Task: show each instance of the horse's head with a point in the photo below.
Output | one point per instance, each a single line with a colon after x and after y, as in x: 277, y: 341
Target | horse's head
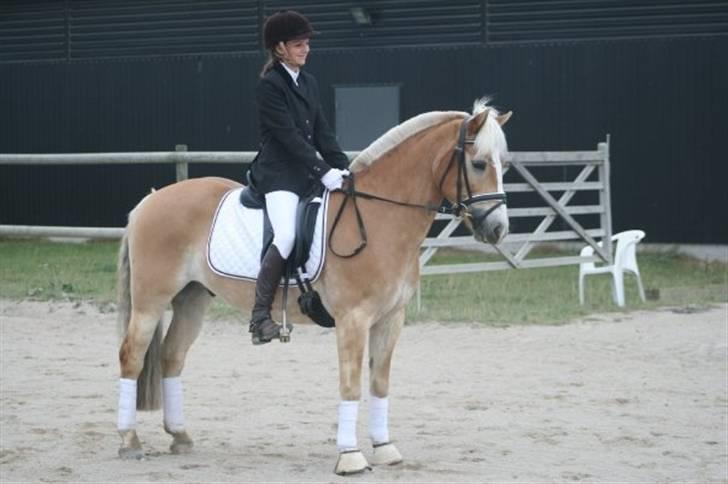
x: 473, y: 180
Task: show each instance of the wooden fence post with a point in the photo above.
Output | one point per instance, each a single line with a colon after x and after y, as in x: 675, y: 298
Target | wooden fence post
x: 182, y: 167
x: 605, y: 198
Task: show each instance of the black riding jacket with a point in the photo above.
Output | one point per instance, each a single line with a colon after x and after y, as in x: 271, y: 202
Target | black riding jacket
x: 292, y: 128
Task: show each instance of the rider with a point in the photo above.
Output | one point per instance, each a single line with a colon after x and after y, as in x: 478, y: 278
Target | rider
x: 292, y: 129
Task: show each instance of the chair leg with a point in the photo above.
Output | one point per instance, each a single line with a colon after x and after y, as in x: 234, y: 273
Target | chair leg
x: 640, y: 287
x: 618, y: 288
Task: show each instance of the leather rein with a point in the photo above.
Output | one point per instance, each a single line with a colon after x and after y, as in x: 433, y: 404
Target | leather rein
x: 456, y: 209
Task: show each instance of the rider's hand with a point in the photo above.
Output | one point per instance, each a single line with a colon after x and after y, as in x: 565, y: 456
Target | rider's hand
x: 334, y: 178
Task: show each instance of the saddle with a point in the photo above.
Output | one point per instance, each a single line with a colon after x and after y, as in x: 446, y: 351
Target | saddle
x: 309, y: 301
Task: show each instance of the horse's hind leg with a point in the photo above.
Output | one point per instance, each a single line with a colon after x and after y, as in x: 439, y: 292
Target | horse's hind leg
x: 383, y: 337
x: 188, y: 310
x: 143, y: 327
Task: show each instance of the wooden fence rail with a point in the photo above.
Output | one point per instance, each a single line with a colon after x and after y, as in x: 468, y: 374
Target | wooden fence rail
x: 595, y: 165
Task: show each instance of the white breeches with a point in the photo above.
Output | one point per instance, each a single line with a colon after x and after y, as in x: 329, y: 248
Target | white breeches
x: 282, y: 206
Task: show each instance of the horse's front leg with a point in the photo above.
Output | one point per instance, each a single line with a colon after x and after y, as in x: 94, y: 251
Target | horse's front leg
x: 351, y: 334
x: 383, y: 337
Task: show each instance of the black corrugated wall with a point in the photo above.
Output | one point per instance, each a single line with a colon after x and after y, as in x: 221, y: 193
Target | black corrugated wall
x: 662, y: 99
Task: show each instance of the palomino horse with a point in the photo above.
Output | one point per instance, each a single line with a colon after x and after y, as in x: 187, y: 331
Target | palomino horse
x: 431, y: 157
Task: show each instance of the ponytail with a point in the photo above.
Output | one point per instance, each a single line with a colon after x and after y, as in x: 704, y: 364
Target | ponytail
x: 272, y: 59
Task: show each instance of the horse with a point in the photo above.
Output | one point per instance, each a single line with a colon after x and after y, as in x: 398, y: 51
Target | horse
x: 402, y: 180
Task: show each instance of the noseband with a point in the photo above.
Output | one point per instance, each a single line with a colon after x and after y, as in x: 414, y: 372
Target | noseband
x: 459, y: 208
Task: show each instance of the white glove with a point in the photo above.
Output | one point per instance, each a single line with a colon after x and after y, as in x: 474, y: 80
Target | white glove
x: 334, y: 178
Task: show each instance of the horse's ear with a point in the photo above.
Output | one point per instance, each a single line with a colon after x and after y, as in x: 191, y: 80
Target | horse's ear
x: 476, y: 122
x: 503, y: 118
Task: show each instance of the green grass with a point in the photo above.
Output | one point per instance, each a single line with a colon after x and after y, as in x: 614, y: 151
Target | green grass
x: 48, y: 270
x: 550, y: 295
x: 87, y: 271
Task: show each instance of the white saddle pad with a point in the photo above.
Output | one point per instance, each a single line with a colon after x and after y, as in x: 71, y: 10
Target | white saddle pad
x: 236, y: 239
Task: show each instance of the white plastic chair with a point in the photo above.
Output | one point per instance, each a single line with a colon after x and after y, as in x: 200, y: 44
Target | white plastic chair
x: 625, y: 260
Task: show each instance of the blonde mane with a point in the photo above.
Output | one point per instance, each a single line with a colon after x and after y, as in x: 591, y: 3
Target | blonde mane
x: 395, y: 136
x: 400, y: 133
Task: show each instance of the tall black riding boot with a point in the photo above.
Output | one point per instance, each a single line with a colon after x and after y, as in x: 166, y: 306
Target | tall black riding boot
x: 262, y: 326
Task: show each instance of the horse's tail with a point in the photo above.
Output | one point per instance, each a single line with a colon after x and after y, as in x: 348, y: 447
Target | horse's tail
x: 123, y: 287
x: 149, y: 383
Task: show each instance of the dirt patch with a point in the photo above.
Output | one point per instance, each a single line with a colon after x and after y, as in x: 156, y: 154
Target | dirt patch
x: 642, y: 398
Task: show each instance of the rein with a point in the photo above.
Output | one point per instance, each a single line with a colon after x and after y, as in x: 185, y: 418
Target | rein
x: 456, y: 209
x: 351, y: 193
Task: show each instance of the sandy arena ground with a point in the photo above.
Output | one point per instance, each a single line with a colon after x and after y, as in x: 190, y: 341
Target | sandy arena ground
x: 638, y: 397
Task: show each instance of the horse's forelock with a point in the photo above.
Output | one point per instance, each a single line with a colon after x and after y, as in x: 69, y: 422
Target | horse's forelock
x: 481, y: 104
x: 490, y: 138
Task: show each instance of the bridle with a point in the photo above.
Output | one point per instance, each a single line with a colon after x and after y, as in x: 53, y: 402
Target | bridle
x: 460, y: 207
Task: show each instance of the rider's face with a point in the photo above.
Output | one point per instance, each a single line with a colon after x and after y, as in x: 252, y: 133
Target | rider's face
x: 294, y: 52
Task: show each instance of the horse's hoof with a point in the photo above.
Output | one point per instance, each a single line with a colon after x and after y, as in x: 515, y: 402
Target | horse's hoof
x: 129, y: 453
x: 386, y: 455
x: 181, y: 447
x: 182, y: 444
x: 131, y: 447
x: 351, y: 462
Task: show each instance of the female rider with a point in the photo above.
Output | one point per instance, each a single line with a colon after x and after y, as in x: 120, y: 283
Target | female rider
x: 292, y: 129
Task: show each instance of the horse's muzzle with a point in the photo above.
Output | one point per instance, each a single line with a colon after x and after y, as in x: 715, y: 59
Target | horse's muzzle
x: 489, y: 223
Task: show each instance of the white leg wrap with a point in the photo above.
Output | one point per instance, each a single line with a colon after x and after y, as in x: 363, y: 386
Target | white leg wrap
x: 127, y: 404
x: 346, y: 434
x: 174, y: 419
x: 378, y: 419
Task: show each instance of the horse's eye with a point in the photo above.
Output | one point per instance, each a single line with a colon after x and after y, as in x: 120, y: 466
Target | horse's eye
x: 479, y: 164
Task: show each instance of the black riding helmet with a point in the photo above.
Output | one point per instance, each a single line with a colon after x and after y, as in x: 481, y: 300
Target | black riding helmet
x: 284, y: 26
